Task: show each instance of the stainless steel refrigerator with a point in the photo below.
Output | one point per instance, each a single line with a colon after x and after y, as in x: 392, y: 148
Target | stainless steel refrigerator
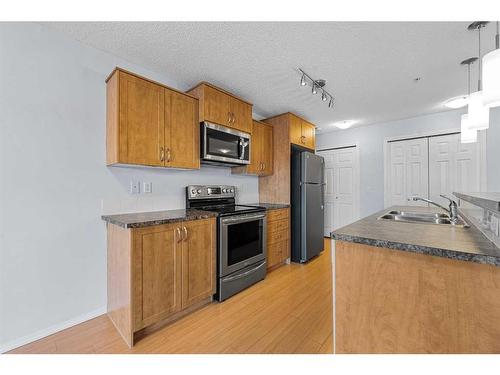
x: 307, y: 198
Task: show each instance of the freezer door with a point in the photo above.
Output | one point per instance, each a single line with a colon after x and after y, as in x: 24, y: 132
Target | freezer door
x: 312, y: 168
x: 312, y: 220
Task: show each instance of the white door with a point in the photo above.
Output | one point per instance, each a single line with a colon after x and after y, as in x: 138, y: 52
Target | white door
x: 453, y: 166
x: 408, y: 176
x: 341, y: 191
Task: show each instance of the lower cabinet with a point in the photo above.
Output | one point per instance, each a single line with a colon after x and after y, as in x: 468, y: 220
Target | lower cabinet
x: 278, y: 237
x: 159, y: 273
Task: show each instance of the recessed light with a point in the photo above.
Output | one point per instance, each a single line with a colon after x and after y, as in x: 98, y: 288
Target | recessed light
x: 344, y: 124
x: 457, y: 102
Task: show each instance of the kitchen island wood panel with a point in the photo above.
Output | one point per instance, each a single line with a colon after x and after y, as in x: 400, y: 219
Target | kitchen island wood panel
x: 389, y: 301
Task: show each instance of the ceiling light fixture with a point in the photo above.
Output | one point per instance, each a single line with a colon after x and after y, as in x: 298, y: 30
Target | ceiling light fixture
x: 303, y: 80
x: 479, y: 114
x: 317, y: 84
x: 344, y: 124
x: 467, y: 135
x: 491, y: 75
x: 457, y: 102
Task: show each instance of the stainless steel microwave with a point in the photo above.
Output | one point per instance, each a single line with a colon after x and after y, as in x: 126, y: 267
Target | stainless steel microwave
x: 221, y: 145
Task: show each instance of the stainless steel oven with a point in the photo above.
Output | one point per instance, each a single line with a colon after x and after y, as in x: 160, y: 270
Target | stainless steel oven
x: 221, y: 145
x: 242, y: 241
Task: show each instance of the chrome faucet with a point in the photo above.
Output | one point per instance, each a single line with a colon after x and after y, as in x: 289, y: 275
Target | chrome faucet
x: 452, y: 210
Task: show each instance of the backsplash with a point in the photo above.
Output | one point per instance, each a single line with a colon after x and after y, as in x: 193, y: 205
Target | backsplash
x: 168, y: 187
x: 488, y: 222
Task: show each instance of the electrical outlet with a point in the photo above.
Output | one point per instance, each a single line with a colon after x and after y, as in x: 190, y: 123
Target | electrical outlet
x: 147, y: 187
x: 135, y: 187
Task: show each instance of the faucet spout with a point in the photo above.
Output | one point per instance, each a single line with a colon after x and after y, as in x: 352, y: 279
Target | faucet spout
x: 452, y: 210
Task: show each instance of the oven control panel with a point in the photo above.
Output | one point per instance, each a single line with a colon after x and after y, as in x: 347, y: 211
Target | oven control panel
x: 210, y: 191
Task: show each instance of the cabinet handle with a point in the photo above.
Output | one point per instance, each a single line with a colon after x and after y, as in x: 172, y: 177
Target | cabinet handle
x: 229, y: 118
x: 234, y: 118
x: 168, y: 155
x: 302, y: 139
x: 162, y: 154
x: 185, y: 233
x: 263, y: 166
x: 179, y: 237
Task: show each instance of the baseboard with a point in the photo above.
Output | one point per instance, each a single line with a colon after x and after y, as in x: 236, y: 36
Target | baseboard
x: 52, y: 329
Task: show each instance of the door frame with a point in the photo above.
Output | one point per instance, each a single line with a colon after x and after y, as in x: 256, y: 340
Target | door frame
x: 481, y: 141
x: 357, y: 174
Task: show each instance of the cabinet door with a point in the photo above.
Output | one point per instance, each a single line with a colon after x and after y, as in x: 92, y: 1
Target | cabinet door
x: 141, y: 121
x: 157, y: 254
x: 308, y: 135
x: 295, y: 130
x: 241, y: 115
x: 255, y: 165
x: 267, y: 150
x: 182, y: 135
x: 198, y: 261
x: 216, y: 106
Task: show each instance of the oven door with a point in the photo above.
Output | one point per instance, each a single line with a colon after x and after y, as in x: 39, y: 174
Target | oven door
x: 242, y: 241
x: 224, y: 145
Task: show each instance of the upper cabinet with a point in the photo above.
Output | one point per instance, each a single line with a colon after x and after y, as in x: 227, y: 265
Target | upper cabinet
x: 150, y: 124
x: 302, y: 132
x: 223, y: 108
x: 261, y: 151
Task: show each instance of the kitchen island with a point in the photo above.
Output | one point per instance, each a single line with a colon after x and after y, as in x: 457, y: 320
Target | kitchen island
x: 415, y: 288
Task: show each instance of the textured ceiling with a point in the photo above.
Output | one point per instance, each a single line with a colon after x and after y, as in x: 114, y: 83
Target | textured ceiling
x: 369, y: 66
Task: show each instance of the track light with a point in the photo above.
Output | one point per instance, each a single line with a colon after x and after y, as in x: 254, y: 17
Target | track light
x: 303, y: 80
x: 316, y: 84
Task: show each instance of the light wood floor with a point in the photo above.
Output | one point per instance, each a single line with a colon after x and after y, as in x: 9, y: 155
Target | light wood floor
x: 289, y: 312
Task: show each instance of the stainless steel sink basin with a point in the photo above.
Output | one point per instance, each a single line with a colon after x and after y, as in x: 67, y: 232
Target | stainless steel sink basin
x: 422, y: 218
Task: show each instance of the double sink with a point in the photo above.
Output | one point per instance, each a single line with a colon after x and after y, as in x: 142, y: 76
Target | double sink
x: 422, y: 218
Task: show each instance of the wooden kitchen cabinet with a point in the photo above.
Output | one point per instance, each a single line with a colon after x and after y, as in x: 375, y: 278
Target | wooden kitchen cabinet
x: 221, y: 107
x: 150, y: 124
x: 160, y: 273
x: 198, y: 262
x: 261, y: 151
x: 302, y: 132
x: 278, y: 237
x: 288, y: 129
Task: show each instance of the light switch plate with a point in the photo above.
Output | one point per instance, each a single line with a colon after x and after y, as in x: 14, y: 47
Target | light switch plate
x: 135, y: 187
x: 147, y: 187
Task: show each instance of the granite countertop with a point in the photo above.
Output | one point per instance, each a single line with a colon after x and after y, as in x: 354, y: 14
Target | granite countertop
x: 146, y: 219
x: 467, y: 244
x: 489, y: 201
x: 269, y: 206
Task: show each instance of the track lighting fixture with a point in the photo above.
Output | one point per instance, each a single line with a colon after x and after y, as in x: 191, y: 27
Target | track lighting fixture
x: 303, y: 80
x: 317, y: 84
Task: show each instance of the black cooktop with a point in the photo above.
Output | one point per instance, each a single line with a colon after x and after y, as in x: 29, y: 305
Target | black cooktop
x: 225, y: 210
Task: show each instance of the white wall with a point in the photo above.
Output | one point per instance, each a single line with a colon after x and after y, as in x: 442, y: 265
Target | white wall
x: 370, y: 140
x: 54, y: 184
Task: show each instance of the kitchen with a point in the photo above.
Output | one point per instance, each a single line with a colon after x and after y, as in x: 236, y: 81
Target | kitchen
x: 200, y: 215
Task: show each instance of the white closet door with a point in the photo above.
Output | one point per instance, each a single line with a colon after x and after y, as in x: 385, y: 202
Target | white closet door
x: 417, y: 171
x: 341, y: 188
x: 408, y: 175
x: 453, y: 166
x: 344, y: 186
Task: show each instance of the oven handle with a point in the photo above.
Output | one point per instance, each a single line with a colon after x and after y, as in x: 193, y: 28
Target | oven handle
x: 243, y: 218
x: 236, y: 277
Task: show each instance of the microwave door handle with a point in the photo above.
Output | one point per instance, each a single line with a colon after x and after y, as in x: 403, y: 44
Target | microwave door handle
x: 243, y: 145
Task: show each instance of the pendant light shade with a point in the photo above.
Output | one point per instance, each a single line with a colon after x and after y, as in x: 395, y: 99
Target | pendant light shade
x: 491, y: 79
x: 467, y: 135
x: 479, y: 115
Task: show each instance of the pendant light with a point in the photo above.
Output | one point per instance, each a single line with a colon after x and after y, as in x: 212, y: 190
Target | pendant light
x: 491, y: 75
x: 467, y: 135
x: 479, y: 115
